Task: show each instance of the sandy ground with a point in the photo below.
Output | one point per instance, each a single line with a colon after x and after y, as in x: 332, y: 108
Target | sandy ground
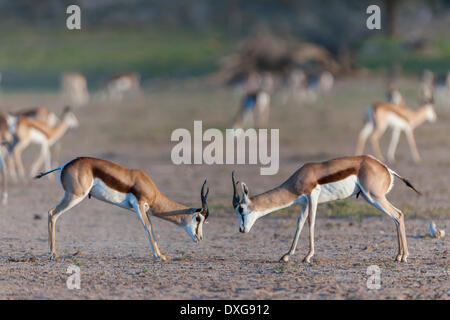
x: 110, y: 247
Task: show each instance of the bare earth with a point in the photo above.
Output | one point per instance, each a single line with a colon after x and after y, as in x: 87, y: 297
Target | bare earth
x: 110, y: 246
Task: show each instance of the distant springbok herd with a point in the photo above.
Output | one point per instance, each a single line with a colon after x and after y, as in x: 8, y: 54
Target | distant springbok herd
x: 310, y: 185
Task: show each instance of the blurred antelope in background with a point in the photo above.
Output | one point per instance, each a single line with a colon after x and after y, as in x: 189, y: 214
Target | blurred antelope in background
x: 5, y: 140
x: 29, y: 130
x: 442, y: 90
x: 41, y: 114
x: 119, y: 85
x: 380, y: 116
x: 321, y: 182
x: 426, y: 88
x: 255, y: 107
x: 308, y: 88
x: 75, y: 89
x: 394, y: 96
x: 130, y: 189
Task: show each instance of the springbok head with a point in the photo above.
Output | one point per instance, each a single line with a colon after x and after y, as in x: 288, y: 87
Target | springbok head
x: 194, y: 227
x: 243, y: 207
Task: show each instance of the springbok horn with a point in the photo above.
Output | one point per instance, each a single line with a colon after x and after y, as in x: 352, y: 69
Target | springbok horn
x: 203, y: 196
x: 236, y: 198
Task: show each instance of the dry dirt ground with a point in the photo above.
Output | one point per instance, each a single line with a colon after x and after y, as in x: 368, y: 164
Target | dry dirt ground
x: 110, y: 247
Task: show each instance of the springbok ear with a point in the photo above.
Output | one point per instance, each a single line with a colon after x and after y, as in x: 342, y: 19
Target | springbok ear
x: 245, y: 191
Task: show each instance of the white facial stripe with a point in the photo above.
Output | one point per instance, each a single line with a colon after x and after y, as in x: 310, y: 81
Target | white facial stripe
x: 195, y: 229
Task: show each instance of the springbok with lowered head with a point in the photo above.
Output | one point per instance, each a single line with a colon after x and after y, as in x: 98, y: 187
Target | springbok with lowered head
x: 400, y: 118
x: 321, y: 182
x: 130, y: 189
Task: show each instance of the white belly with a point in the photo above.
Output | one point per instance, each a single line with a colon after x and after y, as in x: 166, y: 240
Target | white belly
x: 396, y: 122
x: 37, y: 136
x: 102, y: 192
x: 338, y: 190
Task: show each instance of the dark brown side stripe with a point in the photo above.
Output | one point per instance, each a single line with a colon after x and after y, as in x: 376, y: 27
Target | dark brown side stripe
x: 111, y: 181
x: 340, y: 175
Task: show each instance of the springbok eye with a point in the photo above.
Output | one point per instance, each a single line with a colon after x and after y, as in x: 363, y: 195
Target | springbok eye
x: 240, y: 209
x: 198, y: 219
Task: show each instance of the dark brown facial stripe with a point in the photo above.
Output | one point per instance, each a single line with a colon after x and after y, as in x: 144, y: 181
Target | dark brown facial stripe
x: 340, y: 175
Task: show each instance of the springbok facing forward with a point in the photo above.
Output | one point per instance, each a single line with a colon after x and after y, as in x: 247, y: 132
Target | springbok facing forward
x: 74, y: 89
x: 126, y: 188
x: 400, y: 118
x: 316, y: 183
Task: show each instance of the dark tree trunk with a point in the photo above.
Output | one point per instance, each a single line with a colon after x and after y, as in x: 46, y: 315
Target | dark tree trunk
x: 391, y: 16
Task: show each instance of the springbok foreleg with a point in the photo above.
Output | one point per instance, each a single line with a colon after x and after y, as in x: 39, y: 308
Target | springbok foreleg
x: 300, y: 223
x: 140, y: 209
x: 412, y: 145
x: 313, y: 201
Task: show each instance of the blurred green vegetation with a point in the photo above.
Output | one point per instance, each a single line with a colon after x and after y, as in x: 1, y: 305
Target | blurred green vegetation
x: 384, y: 53
x: 36, y: 58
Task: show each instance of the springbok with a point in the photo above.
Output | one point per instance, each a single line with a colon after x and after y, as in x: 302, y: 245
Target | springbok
x: 321, y: 182
x: 254, y: 110
x: 400, y: 118
x: 426, y: 87
x: 30, y: 130
x: 5, y: 139
x: 75, y: 89
x: 308, y: 88
x: 126, y: 188
x: 116, y: 87
x: 41, y: 114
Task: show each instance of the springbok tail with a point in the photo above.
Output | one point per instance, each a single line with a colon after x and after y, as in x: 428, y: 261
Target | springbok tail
x: 405, y: 181
x: 40, y: 175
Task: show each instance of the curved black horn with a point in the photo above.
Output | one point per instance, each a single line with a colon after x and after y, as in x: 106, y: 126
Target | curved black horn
x: 203, y: 196
x: 236, y: 198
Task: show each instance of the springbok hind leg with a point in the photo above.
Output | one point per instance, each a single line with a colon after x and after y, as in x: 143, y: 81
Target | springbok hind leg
x: 382, y: 204
x: 68, y: 201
